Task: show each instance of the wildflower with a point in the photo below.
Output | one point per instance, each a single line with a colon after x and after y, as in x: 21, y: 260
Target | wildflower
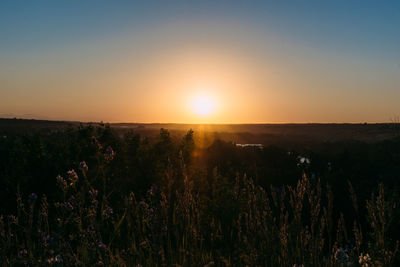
x: 22, y: 253
x: 109, y: 154
x: 68, y: 205
x: 83, y: 166
x: 93, y: 192
x: 364, y: 260
x: 54, y: 260
x: 72, y: 177
x: 12, y: 219
x: 143, y: 204
x: 58, y: 258
x: 107, y: 212
x: 341, y: 255
x: 101, y: 245
x: 61, y: 182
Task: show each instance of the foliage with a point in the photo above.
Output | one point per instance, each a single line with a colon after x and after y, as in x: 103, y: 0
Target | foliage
x: 165, y: 202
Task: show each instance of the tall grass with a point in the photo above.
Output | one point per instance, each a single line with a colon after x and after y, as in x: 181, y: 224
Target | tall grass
x: 176, y: 225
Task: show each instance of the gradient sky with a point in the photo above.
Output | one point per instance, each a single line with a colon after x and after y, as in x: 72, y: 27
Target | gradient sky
x: 260, y: 61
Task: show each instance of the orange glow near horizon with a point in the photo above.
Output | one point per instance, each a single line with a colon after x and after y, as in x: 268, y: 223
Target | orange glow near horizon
x: 196, y: 85
x: 173, y: 75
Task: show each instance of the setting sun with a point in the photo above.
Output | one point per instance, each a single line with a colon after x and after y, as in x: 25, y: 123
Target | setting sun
x: 203, y: 105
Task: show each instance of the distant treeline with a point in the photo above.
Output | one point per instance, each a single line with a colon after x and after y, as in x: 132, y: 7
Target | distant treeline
x: 30, y: 160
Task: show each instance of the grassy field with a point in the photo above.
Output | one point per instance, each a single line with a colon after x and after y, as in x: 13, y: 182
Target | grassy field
x: 96, y: 195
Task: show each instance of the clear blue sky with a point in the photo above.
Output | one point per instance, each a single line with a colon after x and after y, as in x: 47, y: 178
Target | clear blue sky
x: 69, y: 59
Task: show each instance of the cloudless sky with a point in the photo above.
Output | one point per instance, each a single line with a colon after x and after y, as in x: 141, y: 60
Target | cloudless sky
x: 144, y: 61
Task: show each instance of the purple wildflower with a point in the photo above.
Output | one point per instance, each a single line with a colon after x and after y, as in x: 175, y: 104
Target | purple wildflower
x: 12, y: 219
x: 101, y: 245
x: 109, y: 154
x: 68, y: 205
x: 83, y: 166
x: 22, y: 253
x: 72, y: 177
x: 143, y: 204
x: 93, y: 192
x: 58, y: 258
x: 107, y: 212
x: 54, y: 260
x: 341, y: 255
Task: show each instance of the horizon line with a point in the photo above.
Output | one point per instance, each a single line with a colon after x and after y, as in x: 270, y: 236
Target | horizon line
x: 193, y: 123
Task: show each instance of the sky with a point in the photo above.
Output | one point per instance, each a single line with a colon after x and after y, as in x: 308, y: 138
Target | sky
x: 200, y: 61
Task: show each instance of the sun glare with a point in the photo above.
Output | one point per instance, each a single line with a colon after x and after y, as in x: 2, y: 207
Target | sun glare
x: 203, y: 105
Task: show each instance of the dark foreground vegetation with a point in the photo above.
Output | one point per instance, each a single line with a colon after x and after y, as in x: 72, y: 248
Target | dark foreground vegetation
x: 90, y: 196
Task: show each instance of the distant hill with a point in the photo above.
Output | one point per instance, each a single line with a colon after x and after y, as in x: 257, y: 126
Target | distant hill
x: 27, y: 116
x: 240, y: 133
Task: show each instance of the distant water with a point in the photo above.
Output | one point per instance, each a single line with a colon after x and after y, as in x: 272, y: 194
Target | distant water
x: 250, y: 145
